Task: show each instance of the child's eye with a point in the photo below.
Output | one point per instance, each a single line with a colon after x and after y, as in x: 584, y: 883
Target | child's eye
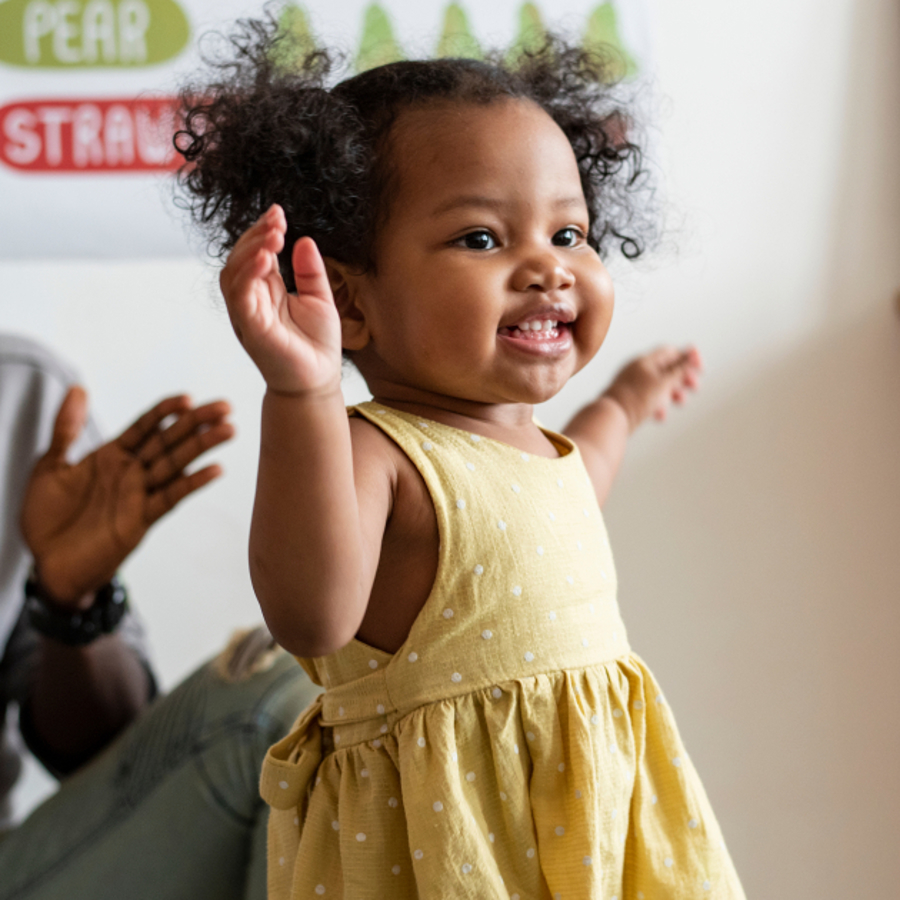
x: 477, y: 240
x: 567, y: 237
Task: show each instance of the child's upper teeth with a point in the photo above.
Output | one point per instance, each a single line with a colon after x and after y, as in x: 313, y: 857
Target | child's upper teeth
x: 538, y: 325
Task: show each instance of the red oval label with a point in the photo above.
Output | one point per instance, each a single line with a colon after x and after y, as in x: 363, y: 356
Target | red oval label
x: 94, y: 137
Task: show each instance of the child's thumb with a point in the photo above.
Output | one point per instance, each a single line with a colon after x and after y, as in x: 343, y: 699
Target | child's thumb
x: 310, y: 276
x: 69, y: 421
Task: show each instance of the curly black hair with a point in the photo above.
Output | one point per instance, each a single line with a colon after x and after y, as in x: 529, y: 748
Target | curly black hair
x: 270, y: 129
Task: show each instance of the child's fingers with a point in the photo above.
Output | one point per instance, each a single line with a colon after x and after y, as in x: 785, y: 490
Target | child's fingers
x: 251, y: 286
x: 267, y: 233
x: 687, y: 367
x: 268, y: 229
x: 253, y: 255
x: 257, y: 262
x: 695, y: 360
x: 666, y: 358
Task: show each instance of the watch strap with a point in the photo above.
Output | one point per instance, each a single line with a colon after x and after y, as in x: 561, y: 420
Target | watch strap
x: 76, y: 627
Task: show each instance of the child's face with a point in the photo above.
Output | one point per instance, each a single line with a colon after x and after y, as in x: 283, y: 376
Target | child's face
x: 486, y: 233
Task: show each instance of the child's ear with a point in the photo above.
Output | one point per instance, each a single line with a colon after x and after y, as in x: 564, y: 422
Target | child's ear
x: 354, y: 327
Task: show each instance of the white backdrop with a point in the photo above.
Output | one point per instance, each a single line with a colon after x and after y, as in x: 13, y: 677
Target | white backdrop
x: 756, y: 534
x: 78, y: 139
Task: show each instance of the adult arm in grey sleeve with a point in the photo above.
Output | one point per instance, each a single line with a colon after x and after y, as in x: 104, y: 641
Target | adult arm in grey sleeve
x: 27, y: 656
x: 80, y: 521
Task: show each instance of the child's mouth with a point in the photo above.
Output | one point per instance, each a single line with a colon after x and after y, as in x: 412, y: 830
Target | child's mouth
x: 545, y: 337
x: 537, y: 330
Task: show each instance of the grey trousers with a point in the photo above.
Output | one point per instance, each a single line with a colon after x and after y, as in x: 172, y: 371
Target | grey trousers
x: 171, y: 811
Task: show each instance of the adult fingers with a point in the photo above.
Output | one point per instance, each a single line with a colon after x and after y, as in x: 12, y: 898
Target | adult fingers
x: 161, y: 501
x: 173, y: 463
x: 70, y: 419
x: 163, y: 442
x: 138, y: 432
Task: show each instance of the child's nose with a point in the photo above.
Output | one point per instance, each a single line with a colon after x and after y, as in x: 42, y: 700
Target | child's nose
x: 543, y: 271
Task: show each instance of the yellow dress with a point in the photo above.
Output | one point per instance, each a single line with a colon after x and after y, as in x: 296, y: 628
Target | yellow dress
x: 514, y: 747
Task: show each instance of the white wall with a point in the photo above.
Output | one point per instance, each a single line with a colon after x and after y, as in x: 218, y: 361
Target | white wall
x: 757, y: 533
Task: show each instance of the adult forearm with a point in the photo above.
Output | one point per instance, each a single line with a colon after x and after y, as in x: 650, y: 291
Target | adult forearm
x: 84, y: 696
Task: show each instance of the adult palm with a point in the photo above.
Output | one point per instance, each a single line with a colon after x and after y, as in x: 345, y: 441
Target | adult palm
x: 81, y: 520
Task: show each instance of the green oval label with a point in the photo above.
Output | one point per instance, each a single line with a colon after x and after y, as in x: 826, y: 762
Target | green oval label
x: 66, y: 34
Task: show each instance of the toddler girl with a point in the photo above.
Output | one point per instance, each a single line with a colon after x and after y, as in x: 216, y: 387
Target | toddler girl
x: 437, y: 560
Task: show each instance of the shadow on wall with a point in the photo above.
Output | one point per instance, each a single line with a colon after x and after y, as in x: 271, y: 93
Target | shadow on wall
x: 773, y: 530
x: 759, y: 560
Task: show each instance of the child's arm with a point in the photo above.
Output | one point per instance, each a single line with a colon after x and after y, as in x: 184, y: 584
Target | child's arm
x: 644, y: 388
x: 314, y: 542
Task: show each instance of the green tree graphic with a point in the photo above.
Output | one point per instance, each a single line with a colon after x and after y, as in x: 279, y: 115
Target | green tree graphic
x: 602, y: 33
x: 531, y: 31
x: 378, y: 45
x: 298, y: 39
x: 456, y: 37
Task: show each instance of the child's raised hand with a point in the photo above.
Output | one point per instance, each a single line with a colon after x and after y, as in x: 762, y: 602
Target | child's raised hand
x: 294, y: 339
x: 649, y: 384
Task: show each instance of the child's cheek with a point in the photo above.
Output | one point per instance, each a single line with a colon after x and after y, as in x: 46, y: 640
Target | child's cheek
x: 602, y: 305
x: 591, y: 328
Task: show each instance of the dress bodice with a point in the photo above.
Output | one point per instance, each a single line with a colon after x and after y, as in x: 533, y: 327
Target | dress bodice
x: 525, y: 581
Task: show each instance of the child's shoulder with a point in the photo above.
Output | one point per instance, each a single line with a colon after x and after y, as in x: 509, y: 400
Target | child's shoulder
x: 375, y: 454
x: 368, y: 439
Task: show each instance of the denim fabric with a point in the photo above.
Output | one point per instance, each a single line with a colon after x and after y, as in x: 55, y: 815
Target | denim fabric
x: 172, y: 808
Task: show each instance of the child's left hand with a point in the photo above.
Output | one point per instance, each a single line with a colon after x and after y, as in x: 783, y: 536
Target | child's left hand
x: 649, y: 384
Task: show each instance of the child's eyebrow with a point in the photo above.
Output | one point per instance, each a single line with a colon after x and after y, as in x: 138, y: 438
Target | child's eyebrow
x: 481, y: 201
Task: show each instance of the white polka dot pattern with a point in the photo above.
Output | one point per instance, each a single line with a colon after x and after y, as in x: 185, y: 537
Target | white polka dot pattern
x: 519, y: 647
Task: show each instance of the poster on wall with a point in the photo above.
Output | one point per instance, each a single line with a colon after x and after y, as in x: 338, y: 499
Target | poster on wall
x: 87, y: 88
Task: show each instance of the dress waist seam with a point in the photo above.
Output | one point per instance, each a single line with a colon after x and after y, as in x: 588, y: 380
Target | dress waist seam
x: 347, y: 729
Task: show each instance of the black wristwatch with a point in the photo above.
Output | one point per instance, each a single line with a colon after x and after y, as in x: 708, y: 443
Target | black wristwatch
x: 80, y: 626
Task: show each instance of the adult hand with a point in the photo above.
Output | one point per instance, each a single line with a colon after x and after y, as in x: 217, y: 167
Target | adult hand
x: 81, y: 521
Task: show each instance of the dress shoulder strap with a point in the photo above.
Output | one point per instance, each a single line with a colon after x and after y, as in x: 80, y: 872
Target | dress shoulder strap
x: 409, y: 432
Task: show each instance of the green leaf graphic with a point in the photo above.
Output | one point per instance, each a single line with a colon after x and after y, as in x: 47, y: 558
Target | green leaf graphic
x: 298, y: 42
x: 77, y: 34
x: 378, y: 46
x: 602, y: 34
x: 457, y: 39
